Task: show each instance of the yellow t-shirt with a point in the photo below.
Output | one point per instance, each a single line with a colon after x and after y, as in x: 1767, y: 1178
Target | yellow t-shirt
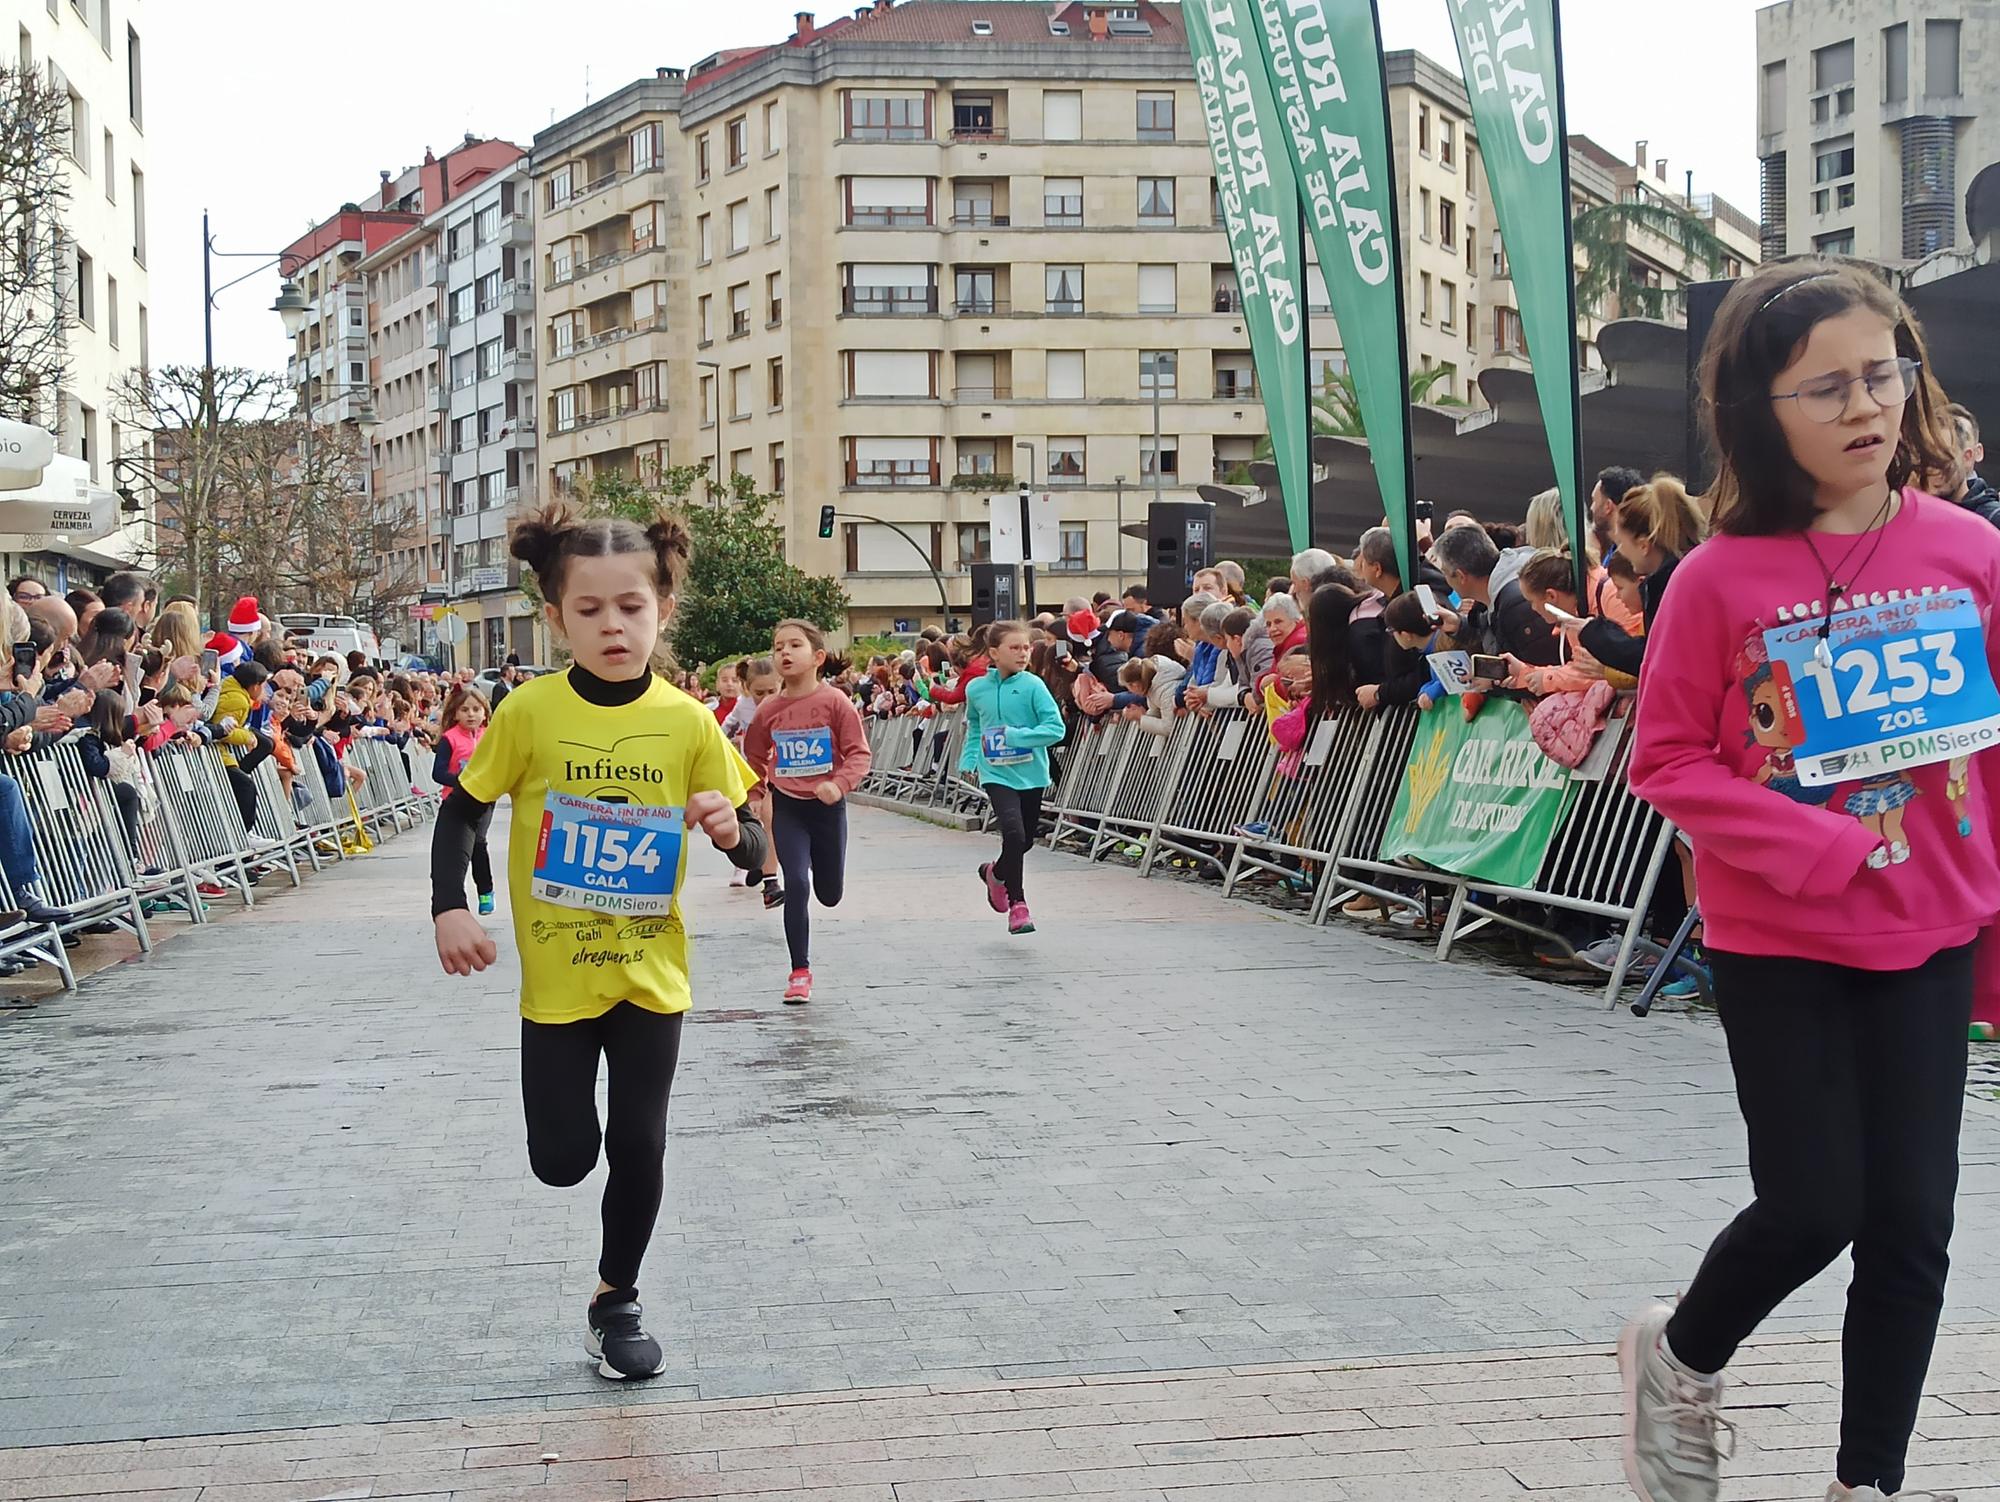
x: 598, y: 849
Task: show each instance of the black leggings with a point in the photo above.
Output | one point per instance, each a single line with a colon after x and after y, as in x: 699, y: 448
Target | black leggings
x: 1018, y: 811
x: 1852, y: 1085
x: 811, y: 837
x: 559, y: 1095
x: 242, y: 784
x: 482, y: 859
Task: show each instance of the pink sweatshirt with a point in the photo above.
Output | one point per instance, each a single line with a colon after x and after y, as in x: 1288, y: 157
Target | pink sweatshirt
x: 1782, y: 868
x: 825, y: 709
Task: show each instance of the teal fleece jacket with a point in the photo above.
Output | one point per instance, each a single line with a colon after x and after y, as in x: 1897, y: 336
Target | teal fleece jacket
x: 1024, y: 705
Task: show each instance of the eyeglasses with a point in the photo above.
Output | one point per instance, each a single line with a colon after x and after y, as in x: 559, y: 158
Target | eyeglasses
x: 1826, y: 398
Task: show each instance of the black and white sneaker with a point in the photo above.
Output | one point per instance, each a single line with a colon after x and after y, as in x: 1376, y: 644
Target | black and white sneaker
x: 623, y: 1349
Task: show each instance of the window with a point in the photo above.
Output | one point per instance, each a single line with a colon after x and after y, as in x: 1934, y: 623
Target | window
x: 701, y: 157
x: 138, y: 216
x: 1065, y: 375
x: 1840, y: 243
x: 1447, y: 142
x: 1062, y: 201
x: 1156, y: 200
x: 888, y: 117
x: 777, y: 469
x: 1167, y: 460
x: 1424, y: 129
x: 708, y: 401
x: 774, y: 129
x: 1471, y: 325
x: 736, y: 135
x: 1832, y: 66
x: 145, y: 341
x: 973, y: 290
x: 774, y: 213
x: 1424, y: 297
x: 86, y: 433
x: 458, y: 241
x: 1448, y: 224
x: 1423, y: 213
x: 134, y: 79
x: 739, y: 310
x: 739, y: 392
x: 1156, y: 117
x: 461, y: 493
x: 110, y: 177
x: 975, y: 539
x: 1075, y: 544
x: 461, y: 306
x: 1157, y: 289
x: 888, y: 202
x: 1471, y: 251
x: 739, y: 226
x: 739, y: 462
x: 489, y: 291
x: 486, y: 228
x: 565, y: 409
x: 465, y: 364
x: 774, y: 299
x: 972, y: 117
x: 1508, y: 336
x: 560, y: 187
x: 704, y: 240
x: 647, y: 148
x: 111, y: 310
x: 1448, y: 291
x: 79, y: 131
x: 705, y: 317
x: 1940, y: 59
x: 1158, y: 373
x: 1834, y: 159
x: 1065, y: 290
x: 1062, y: 115
x: 1895, y: 63
x: 774, y: 370
x: 489, y: 359
x: 1066, y: 461
x: 84, y: 303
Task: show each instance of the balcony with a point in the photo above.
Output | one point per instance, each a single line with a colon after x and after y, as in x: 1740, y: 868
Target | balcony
x: 518, y: 436
x: 440, y: 271
x: 441, y: 464
x: 888, y: 302
x: 517, y: 297
x: 440, y: 398
x: 518, y: 231
x: 1065, y: 307
x: 997, y: 393
x: 982, y: 307
x: 980, y: 219
x: 1227, y: 300
x: 885, y: 472
x: 609, y: 180
x: 1232, y: 387
x: 978, y: 133
x: 860, y: 217
x: 518, y: 364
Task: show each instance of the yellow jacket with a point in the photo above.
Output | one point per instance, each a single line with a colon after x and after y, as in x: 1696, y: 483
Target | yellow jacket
x: 233, y: 704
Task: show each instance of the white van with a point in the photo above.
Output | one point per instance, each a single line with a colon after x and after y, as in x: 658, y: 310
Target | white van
x: 334, y: 635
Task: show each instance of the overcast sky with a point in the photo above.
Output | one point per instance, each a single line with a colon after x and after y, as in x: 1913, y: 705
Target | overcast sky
x: 271, y: 116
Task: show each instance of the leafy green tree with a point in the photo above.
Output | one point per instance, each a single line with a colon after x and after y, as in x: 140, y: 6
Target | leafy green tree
x: 1610, y: 280
x: 739, y: 585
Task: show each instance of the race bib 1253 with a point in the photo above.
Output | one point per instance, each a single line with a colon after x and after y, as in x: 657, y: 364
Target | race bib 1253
x: 1000, y: 752
x: 608, y: 857
x: 1901, y: 684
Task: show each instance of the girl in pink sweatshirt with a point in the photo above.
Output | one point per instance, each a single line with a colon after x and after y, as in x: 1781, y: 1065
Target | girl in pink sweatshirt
x: 1814, y: 711
x: 807, y: 746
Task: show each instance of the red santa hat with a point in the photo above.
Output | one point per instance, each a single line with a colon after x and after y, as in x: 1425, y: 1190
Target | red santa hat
x: 229, y: 650
x: 1082, y: 624
x: 245, y: 619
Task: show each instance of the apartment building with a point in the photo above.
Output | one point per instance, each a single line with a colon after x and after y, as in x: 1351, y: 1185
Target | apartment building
x: 1873, y: 116
x: 368, y: 353
x: 934, y: 248
x: 93, y: 50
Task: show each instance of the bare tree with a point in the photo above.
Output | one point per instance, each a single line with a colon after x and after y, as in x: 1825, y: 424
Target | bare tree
x: 34, y: 280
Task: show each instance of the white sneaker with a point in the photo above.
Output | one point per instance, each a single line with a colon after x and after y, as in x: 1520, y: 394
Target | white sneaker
x: 1673, y: 1420
x: 259, y: 843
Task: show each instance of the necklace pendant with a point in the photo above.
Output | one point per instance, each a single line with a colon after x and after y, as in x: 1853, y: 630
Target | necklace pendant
x: 1822, y: 653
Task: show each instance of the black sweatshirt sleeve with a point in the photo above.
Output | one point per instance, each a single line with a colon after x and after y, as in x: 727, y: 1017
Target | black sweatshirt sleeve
x: 452, y: 838
x: 441, y: 772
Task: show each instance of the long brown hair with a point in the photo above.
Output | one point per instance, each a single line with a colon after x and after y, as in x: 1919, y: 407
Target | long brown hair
x: 1759, y: 330
x: 456, y: 700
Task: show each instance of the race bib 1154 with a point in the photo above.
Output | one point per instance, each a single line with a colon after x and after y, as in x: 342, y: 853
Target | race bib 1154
x: 608, y: 857
x: 1899, y: 685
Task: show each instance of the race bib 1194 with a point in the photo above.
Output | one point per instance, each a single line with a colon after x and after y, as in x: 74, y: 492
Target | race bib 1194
x: 804, y: 753
x: 608, y: 857
x: 1901, y: 684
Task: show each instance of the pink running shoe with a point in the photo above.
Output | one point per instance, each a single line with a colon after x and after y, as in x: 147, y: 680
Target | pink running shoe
x: 799, y: 989
x: 996, y: 894
x: 1018, y: 921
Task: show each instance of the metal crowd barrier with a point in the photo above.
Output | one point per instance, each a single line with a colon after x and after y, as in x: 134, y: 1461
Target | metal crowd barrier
x: 1219, y: 794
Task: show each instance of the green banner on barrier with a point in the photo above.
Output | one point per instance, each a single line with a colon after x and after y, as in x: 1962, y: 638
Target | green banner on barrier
x: 1260, y: 211
x: 1511, y: 51
x: 1325, y: 58
x: 1478, y: 799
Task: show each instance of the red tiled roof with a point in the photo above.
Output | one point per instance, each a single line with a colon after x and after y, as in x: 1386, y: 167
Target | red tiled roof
x: 929, y: 22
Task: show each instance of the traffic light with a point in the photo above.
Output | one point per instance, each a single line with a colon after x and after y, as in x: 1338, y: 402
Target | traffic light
x: 826, y: 521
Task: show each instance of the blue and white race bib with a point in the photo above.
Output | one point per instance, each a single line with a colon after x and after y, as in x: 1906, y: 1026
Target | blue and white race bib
x: 608, y: 857
x: 1903, y: 684
x: 804, y: 753
x: 999, y: 751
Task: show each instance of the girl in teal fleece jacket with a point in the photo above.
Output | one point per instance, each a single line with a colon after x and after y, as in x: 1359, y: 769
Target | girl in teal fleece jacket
x: 1011, y: 721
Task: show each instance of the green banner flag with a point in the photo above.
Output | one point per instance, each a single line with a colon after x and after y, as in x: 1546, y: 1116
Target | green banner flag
x: 1325, y: 60
x: 1478, y: 798
x: 1260, y: 211
x: 1511, y: 52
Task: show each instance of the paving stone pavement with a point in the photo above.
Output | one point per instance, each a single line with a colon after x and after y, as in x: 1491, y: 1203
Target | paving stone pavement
x: 275, y: 1178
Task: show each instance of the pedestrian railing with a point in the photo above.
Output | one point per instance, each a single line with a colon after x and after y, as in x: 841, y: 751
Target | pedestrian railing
x: 1218, y: 795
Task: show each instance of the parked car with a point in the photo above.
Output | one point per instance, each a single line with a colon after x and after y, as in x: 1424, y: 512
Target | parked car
x: 490, y: 676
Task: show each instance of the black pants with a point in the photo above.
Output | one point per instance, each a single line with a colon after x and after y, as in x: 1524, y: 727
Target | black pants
x: 1018, y: 812
x: 559, y: 1095
x: 482, y: 859
x: 127, y: 798
x: 1852, y: 1085
x: 811, y: 837
x: 240, y: 782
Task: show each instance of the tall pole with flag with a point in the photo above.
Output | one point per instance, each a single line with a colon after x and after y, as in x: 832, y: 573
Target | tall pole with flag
x: 1511, y: 52
x: 1253, y: 173
x: 1324, y: 58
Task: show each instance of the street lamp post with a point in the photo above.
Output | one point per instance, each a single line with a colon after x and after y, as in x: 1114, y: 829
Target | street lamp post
x: 1118, y: 538
x: 715, y: 475
x: 1027, y: 540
